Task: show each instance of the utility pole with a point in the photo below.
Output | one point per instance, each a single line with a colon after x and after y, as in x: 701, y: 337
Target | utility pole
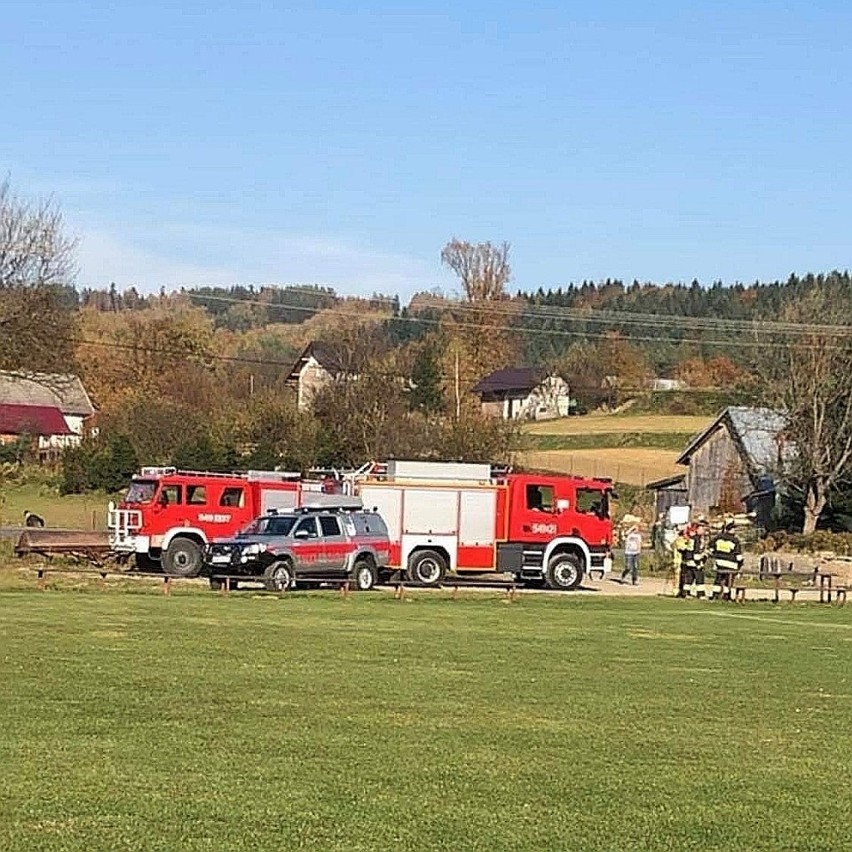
x: 458, y: 388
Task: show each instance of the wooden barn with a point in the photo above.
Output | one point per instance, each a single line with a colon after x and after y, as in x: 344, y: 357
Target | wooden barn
x: 734, y: 463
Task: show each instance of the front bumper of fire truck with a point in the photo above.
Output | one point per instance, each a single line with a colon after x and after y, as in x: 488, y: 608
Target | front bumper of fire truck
x: 124, y: 526
x: 600, y: 561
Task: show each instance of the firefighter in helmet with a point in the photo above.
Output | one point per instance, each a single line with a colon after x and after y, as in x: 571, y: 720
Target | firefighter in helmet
x: 693, y: 554
x: 727, y: 554
x: 680, y: 547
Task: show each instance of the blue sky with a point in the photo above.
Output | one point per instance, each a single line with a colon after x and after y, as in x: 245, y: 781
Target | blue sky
x: 344, y: 144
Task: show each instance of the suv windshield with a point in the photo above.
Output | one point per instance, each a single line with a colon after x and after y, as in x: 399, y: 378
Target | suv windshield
x: 140, y: 491
x: 270, y: 525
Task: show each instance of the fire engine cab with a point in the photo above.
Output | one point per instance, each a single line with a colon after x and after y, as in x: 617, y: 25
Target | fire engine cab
x: 168, y: 516
x: 472, y: 519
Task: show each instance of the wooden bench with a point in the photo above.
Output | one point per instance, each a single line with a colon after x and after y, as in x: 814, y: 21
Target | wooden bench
x: 511, y: 587
x: 838, y: 591
x: 226, y: 583
x: 42, y: 571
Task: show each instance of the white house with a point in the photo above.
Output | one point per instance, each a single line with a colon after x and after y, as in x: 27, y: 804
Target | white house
x: 523, y: 393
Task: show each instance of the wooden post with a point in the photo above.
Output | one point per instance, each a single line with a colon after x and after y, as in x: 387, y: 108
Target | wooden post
x: 512, y: 592
x: 225, y: 588
x: 455, y: 593
x: 41, y: 581
x: 167, y: 585
x: 344, y: 590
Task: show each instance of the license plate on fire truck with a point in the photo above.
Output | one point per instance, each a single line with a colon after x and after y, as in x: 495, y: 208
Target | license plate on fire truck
x: 221, y: 557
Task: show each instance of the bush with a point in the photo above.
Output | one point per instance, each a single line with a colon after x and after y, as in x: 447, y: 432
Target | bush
x: 821, y: 540
x: 105, y: 463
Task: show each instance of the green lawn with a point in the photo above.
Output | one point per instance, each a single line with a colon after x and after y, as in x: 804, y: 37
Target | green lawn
x: 136, y: 721
x: 75, y: 511
x: 607, y: 440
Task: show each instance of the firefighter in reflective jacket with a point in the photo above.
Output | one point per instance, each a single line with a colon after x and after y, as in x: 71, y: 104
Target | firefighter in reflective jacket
x: 680, y: 549
x: 727, y: 554
x: 696, y: 556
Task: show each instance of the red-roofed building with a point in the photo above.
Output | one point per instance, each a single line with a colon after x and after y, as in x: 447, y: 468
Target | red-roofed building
x: 44, y: 424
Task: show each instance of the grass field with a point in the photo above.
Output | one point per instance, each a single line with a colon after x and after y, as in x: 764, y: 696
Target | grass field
x: 135, y: 721
x: 632, y: 465
x: 76, y: 511
x: 590, y: 424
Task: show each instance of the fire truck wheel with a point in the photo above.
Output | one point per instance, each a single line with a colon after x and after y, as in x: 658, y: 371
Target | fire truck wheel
x: 564, y: 572
x: 182, y: 558
x: 278, y: 576
x: 426, y: 568
x: 364, y: 575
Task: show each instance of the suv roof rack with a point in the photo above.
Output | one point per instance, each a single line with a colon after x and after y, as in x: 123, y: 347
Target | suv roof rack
x: 334, y: 503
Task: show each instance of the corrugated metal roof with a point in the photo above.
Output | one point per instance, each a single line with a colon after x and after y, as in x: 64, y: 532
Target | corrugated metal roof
x: 32, y: 420
x: 66, y: 392
x: 757, y: 430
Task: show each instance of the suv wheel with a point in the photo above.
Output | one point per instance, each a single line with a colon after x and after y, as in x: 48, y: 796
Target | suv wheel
x: 364, y: 575
x: 426, y: 568
x: 278, y: 577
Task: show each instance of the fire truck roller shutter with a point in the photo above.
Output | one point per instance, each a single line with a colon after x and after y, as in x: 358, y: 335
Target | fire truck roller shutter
x: 276, y: 499
x: 431, y: 512
x: 388, y: 503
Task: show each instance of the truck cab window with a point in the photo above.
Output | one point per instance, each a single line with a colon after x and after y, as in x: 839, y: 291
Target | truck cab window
x: 330, y: 526
x: 541, y: 497
x: 170, y: 495
x: 196, y: 495
x: 592, y: 502
x: 306, y: 528
x: 234, y: 497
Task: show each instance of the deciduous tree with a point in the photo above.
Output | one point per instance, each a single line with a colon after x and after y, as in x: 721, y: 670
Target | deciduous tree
x: 809, y: 380
x: 36, y: 265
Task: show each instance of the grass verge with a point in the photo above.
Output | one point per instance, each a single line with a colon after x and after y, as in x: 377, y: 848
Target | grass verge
x: 675, y: 441
x: 197, y: 722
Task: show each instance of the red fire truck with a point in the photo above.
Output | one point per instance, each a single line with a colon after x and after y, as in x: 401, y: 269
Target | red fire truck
x: 470, y: 519
x: 169, y: 515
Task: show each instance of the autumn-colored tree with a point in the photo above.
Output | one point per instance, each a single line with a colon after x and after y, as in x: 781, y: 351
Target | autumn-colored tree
x: 718, y: 372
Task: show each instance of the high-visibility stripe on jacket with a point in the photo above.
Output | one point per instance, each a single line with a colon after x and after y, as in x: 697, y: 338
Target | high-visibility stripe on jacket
x: 726, y: 552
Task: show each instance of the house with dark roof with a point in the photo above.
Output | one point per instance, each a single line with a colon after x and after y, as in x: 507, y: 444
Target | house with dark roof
x: 527, y: 393
x: 60, y: 393
x: 732, y: 465
x: 315, y: 368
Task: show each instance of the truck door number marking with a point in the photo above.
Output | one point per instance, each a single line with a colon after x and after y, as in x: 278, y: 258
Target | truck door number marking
x: 544, y: 529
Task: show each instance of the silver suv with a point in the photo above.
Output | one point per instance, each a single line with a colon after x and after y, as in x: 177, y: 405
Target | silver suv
x: 307, y: 544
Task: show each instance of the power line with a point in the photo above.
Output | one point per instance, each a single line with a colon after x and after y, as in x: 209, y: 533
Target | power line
x: 510, y: 309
